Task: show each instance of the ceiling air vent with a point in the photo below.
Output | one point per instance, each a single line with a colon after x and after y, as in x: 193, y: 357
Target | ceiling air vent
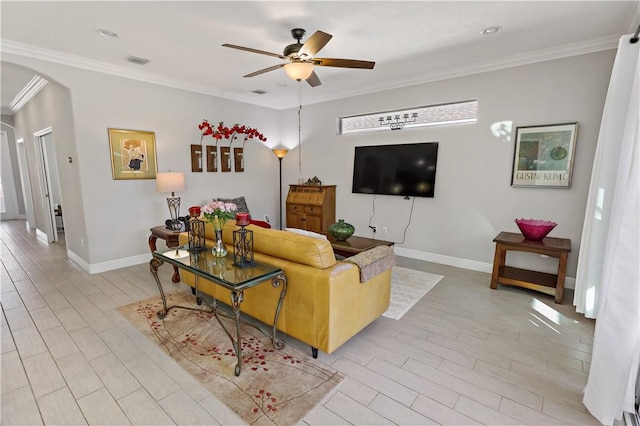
x: 137, y: 60
x: 258, y: 92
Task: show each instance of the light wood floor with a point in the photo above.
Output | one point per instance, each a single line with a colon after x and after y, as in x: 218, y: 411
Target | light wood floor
x: 464, y: 354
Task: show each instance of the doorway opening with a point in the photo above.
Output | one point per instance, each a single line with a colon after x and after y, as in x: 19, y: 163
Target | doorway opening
x: 49, y: 187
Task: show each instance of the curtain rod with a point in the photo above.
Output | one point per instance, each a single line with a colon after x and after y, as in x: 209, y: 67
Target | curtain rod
x: 634, y: 39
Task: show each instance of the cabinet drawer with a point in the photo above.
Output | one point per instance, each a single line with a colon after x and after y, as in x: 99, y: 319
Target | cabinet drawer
x: 312, y: 209
x: 295, y: 208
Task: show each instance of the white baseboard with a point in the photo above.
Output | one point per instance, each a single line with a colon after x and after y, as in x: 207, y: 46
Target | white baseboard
x: 96, y: 268
x: 444, y: 260
x: 77, y: 259
x: 472, y: 265
x: 43, y: 236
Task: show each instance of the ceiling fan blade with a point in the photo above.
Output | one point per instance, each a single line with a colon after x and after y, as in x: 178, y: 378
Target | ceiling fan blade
x: 313, y: 80
x: 262, y: 71
x: 343, y: 63
x: 314, y: 43
x: 249, y: 49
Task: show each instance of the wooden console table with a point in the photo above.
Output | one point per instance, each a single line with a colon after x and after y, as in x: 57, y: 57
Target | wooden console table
x: 552, y: 284
x: 171, y: 240
x: 354, y: 245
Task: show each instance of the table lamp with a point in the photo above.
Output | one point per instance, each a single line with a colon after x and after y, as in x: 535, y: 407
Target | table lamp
x: 171, y: 182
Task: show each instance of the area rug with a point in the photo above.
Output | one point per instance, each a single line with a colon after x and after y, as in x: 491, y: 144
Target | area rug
x: 275, y: 386
x: 407, y: 287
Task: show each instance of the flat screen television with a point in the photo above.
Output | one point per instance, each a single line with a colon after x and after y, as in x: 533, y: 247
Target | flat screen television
x: 404, y: 169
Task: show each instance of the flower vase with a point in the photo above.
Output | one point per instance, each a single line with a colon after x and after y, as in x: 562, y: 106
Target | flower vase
x: 219, y: 250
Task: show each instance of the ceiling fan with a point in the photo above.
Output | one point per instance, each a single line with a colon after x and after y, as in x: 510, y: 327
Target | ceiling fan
x: 300, y: 57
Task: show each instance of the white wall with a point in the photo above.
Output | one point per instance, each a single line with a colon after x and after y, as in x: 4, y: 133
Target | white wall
x: 474, y: 200
x: 473, y: 197
x: 119, y: 213
x: 51, y: 107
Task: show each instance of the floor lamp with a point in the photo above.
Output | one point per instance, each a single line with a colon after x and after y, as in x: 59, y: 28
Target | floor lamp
x: 280, y: 153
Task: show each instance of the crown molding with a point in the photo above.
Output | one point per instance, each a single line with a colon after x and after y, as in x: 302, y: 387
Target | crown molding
x: 543, y: 55
x: 568, y: 50
x: 49, y: 55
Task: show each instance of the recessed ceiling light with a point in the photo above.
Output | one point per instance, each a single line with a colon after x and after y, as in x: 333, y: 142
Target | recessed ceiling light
x: 491, y: 30
x: 107, y: 33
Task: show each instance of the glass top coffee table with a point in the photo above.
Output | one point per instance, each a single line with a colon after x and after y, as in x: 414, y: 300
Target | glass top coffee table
x: 222, y: 272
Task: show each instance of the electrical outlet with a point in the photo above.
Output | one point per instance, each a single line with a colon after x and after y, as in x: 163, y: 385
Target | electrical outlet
x: 384, y: 229
x: 266, y: 218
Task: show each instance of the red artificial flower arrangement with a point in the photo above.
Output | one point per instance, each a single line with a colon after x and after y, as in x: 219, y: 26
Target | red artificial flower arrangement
x: 231, y: 133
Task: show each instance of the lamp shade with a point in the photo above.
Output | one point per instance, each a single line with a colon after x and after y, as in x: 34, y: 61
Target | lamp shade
x: 170, y: 182
x: 280, y: 153
x: 299, y: 70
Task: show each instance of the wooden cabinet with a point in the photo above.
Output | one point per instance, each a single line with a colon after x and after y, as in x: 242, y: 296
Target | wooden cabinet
x: 311, y: 207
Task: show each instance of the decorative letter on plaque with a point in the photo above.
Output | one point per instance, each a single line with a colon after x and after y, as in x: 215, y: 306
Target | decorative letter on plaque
x: 196, y: 158
x: 212, y: 158
x: 238, y: 157
x: 225, y: 158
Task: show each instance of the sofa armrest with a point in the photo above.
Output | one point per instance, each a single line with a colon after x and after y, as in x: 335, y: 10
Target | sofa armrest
x: 374, y: 261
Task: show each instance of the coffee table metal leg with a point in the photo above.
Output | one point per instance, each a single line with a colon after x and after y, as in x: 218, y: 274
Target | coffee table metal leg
x: 236, y: 299
x: 154, y: 264
x: 280, y: 279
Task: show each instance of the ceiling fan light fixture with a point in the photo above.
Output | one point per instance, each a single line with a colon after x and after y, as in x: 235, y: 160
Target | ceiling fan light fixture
x: 299, y: 70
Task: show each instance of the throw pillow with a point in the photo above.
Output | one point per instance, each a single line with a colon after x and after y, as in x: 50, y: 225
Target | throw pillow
x: 240, y: 203
x: 306, y: 233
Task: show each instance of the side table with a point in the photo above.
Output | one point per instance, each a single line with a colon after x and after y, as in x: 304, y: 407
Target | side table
x: 552, y: 284
x: 171, y: 240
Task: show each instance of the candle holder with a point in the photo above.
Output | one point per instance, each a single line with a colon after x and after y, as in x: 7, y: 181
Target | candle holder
x: 243, y: 245
x: 197, y: 240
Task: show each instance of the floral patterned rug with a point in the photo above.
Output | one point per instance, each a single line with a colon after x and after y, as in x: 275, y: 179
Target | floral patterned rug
x: 275, y: 386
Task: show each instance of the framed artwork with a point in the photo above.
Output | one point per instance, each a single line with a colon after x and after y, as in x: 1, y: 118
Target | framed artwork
x: 133, y: 154
x: 543, y: 156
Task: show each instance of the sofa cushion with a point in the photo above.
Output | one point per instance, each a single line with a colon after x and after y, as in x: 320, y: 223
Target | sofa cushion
x: 297, y: 248
x: 240, y: 203
x: 307, y: 233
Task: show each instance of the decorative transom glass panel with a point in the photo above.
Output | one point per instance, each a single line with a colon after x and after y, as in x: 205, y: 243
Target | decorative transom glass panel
x: 431, y: 115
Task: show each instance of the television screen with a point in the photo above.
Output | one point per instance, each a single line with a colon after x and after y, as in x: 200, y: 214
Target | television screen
x: 404, y: 169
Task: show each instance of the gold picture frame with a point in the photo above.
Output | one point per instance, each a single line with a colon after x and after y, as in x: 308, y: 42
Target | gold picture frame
x: 133, y: 154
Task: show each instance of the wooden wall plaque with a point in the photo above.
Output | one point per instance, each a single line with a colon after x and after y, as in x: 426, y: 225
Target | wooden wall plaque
x: 196, y: 158
x: 212, y: 158
x: 238, y: 159
x: 225, y: 158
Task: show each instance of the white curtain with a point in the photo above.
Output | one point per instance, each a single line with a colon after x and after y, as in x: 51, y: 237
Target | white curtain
x: 608, y: 279
x: 603, y: 179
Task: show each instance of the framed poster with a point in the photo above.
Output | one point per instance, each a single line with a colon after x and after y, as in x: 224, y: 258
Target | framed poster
x: 133, y: 154
x: 543, y: 156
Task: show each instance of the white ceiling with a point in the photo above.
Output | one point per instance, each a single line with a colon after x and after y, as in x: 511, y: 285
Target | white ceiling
x: 410, y: 41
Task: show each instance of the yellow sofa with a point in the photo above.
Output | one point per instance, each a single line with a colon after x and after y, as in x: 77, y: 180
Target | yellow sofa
x: 325, y: 305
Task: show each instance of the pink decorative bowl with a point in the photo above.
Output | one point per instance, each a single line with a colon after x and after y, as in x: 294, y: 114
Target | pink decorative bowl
x: 535, y: 230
